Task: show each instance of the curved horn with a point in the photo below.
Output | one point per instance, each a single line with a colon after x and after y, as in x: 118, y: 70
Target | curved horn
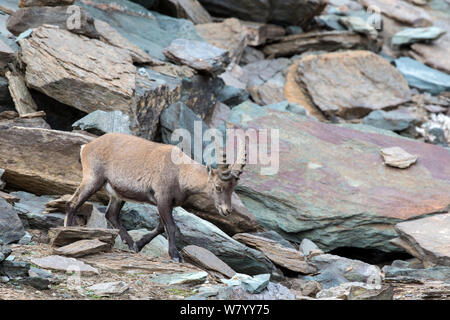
x: 238, y: 167
x: 222, y: 166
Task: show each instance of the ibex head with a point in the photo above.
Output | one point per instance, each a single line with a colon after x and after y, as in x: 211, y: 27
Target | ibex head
x: 224, y: 179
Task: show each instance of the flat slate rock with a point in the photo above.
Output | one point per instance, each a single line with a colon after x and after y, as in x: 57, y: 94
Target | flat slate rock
x: 397, y: 157
x: 207, y: 260
x: 423, y: 77
x: 351, y: 84
x: 60, y: 263
x: 430, y: 238
x: 105, y: 289
x: 66, y: 235
x: 82, y: 248
x: 198, y: 55
x: 280, y: 255
x: 413, y: 35
x: 84, y: 73
x: 181, y: 278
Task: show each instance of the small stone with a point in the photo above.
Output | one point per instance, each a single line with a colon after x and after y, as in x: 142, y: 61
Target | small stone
x: 108, y: 288
x: 181, y: 278
x: 397, y: 157
x: 413, y: 35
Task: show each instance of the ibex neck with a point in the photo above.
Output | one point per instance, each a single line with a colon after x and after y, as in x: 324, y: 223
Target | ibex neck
x: 194, y: 179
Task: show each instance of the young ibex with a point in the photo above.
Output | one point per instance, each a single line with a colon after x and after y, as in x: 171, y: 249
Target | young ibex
x: 135, y: 169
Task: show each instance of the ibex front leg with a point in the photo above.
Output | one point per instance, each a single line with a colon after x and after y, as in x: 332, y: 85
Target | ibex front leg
x: 165, y: 213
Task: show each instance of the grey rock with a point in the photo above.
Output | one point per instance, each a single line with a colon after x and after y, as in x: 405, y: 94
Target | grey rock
x: 422, y: 77
x: 30, y: 209
x: 330, y: 21
x: 206, y: 291
x: 252, y: 285
x: 198, y: 55
x: 60, y: 263
x: 26, y: 239
x: 206, y: 260
x: 413, y: 35
x: 307, y: 246
x: 390, y: 120
x: 181, y: 278
x: 232, y: 96
x: 179, y: 116
x: 335, y: 270
x: 11, y: 228
x: 100, y: 122
x: 39, y: 279
x: 360, y: 25
x: 294, y: 30
x: 14, y: 269
x: 108, y: 288
x: 4, y: 252
x: 273, y: 291
x: 356, y: 291
x: 397, y: 273
x: 219, y: 116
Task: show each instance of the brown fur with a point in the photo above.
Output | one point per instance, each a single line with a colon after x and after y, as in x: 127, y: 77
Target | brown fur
x: 139, y: 170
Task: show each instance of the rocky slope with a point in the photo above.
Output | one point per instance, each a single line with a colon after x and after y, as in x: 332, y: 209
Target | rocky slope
x: 340, y: 83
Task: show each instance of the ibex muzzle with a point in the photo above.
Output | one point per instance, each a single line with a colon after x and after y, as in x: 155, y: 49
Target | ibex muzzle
x: 135, y: 169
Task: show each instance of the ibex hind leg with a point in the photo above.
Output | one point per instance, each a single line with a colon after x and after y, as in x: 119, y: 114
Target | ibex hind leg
x: 112, y: 215
x: 86, y: 189
x: 150, y: 236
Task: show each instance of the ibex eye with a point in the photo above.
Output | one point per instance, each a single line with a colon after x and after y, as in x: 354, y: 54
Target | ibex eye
x: 219, y: 189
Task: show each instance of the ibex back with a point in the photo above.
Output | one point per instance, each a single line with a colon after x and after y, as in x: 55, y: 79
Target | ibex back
x: 138, y: 170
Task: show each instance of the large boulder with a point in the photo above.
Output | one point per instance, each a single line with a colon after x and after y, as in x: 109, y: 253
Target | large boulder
x: 351, y: 84
x: 364, y: 198
x: 41, y: 161
x: 11, y: 228
x: 290, y: 12
x: 428, y: 239
x: 84, y: 73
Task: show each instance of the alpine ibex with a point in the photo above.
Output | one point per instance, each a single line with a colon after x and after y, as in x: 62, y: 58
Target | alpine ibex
x: 135, y: 169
